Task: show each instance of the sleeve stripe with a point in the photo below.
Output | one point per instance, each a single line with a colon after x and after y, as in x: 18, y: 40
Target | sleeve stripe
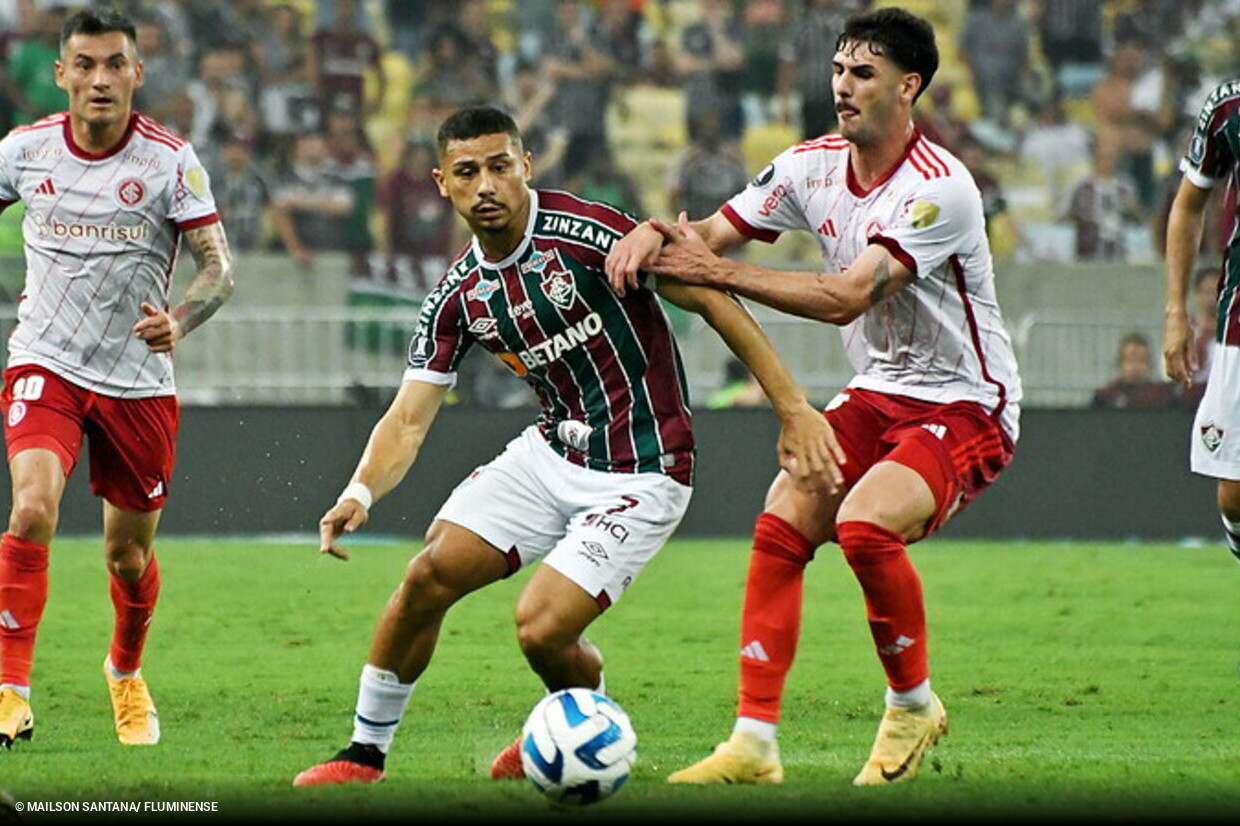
x: 745, y: 228
x: 195, y: 223
x: 897, y: 252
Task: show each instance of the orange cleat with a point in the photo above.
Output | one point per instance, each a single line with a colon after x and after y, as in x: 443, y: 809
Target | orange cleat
x: 507, y: 764
x: 356, y: 764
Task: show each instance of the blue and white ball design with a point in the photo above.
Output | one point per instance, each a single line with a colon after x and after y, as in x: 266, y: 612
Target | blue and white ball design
x: 578, y: 746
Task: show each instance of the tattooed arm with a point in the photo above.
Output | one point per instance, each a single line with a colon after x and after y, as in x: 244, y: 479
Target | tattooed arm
x: 836, y: 298
x: 208, y: 291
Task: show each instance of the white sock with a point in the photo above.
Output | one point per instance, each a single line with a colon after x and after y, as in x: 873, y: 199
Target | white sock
x: 759, y: 728
x: 117, y: 674
x: 602, y: 685
x: 916, y: 697
x: 381, y: 701
x: 23, y: 691
x: 1232, y: 531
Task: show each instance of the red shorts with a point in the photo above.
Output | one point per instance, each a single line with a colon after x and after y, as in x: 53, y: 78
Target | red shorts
x: 957, y: 448
x: 132, y: 441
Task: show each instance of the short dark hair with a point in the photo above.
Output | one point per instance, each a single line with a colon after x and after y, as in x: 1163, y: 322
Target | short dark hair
x: 97, y: 21
x: 475, y: 121
x: 903, y: 38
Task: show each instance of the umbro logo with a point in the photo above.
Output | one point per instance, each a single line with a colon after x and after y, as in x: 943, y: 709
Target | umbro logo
x: 593, y: 551
x: 754, y: 651
x: 46, y: 188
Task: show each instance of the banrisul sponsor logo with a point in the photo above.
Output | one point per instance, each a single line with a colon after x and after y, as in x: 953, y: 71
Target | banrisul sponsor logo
x: 557, y: 345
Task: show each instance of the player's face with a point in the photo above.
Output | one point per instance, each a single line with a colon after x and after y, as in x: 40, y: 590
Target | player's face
x: 872, y: 95
x: 487, y: 178
x: 100, y: 73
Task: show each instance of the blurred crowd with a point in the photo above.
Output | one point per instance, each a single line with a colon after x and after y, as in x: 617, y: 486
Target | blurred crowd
x: 316, y: 117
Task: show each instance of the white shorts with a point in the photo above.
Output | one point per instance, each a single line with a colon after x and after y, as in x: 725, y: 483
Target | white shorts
x: 1215, y: 448
x: 599, y: 529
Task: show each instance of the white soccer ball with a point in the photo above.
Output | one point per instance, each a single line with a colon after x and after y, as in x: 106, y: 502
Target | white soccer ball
x: 578, y: 746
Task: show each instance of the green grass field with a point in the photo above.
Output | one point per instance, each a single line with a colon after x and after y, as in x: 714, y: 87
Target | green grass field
x: 1084, y: 680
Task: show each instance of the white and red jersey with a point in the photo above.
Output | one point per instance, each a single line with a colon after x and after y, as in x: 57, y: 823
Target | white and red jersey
x: 941, y: 339
x: 101, y: 236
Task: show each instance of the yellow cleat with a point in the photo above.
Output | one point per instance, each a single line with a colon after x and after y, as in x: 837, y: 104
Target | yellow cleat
x: 743, y: 758
x: 16, y: 718
x: 137, y: 722
x: 904, y: 737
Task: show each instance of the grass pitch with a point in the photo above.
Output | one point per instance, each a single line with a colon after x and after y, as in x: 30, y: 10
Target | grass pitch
x: 1093, y: 681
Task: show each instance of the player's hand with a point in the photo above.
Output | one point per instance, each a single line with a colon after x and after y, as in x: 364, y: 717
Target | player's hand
x: 630, y: 255
x: 809, y: 452
x: 158, y: 329
x: 345, y: 517
x: 1179, y: 350
x: 684, y: 255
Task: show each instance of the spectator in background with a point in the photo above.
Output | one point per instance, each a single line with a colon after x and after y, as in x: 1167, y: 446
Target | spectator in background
x: 545, y: 139
x: 1132, y: 129
x: 1101, y: 206
x: 223, y: 100
x: 351, y: 161
x: 309, y: 206
x: 708, y: 172
x: 765, y: 22
x: 451, y: 76
x: 286, y: 101
x: 577, y: 59
x: 1070, y: 32
x: 1134, y: 386
x: 480, y: 46
x: 1054, y: 146
x: 167, y: 69
x: 419, y: 229
x: 340, y: 56
x: 805, y: 62
x: 29, y: 81
x: 994, y: 42
x: 711, y: 67
x: 629, y: 37
x: 242, y: 193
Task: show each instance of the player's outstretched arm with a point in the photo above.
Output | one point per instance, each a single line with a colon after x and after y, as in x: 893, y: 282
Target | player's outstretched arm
x: 390, y: 451
x: 1185, y: 225
x: 836, y: 298
x: 640, y: 248
x: 808, y: 450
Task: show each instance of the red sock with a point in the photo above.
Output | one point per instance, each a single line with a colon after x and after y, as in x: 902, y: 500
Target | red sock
x: 135, y: 604
x: 771, y: 618
x: 893, y: 600
x: 23, y: 594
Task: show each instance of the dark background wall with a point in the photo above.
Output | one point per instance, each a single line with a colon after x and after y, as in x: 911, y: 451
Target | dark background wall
x: 1077, y: 474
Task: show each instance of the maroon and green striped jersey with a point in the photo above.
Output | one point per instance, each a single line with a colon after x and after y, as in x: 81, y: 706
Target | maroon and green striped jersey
x: 546, y: 311
x: 1213, y: 157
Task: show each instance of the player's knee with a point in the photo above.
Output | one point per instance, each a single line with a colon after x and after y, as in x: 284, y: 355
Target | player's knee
x: 541, y: 638
x: 34, y: 519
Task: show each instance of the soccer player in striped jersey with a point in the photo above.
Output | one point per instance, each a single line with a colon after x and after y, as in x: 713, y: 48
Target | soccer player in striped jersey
x: 109, y: 195
x: 1212, y: 158
x: 927, y: 422
x: 595, y: 486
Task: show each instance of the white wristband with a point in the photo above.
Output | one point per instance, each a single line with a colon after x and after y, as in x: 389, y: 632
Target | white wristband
x: 358, y: 491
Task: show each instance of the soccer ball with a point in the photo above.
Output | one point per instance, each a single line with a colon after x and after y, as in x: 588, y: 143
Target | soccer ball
x: 578, y: 746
